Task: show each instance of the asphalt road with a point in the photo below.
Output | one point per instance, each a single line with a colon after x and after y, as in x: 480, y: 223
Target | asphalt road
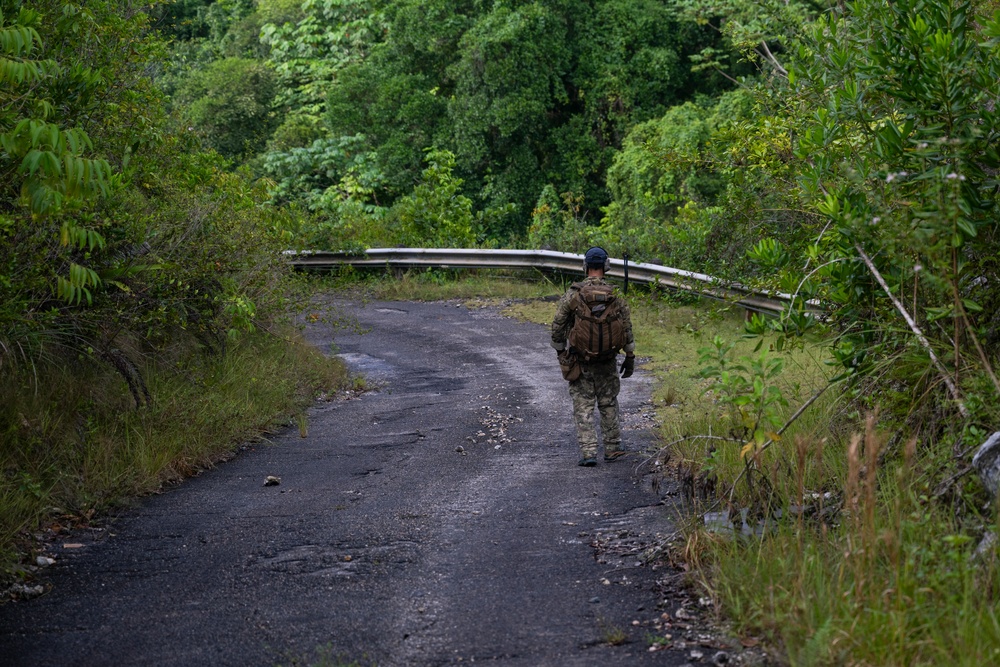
x: 383, y: 544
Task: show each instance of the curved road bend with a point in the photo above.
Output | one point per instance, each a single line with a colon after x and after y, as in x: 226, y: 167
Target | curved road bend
x: 383, y: 544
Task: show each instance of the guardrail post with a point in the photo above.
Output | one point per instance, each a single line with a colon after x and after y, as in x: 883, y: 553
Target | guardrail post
x: 625, y: 258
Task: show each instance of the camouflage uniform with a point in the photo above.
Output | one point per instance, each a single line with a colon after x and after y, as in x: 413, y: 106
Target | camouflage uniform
x: 598, y: 381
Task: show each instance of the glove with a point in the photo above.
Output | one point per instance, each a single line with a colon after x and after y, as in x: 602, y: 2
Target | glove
x: 628, y: 366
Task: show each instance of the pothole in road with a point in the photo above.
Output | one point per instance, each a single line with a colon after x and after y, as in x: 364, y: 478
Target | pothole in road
x: 338, y: 560
x: 632, y: 539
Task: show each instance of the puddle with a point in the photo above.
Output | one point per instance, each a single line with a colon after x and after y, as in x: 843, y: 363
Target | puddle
x: 366, y: 364
x: 720, y: 523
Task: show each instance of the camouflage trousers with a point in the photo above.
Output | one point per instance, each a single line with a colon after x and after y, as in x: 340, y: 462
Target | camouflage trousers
x: 598, y: 382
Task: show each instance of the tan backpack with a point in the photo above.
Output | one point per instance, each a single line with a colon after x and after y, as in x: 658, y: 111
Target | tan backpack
x: 598, y: 330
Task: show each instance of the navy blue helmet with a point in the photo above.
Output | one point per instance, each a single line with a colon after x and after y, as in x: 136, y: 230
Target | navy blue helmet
x: 595, y: 258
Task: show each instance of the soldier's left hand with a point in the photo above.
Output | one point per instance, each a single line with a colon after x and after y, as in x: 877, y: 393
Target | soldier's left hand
x: 628, y: 366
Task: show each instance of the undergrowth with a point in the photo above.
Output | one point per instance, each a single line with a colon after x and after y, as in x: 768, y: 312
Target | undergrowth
x: 72, y: 442
x: 884, y: 574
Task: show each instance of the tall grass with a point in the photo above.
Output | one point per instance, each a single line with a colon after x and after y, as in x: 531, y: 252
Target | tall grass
x: 73, y: 442
x: 888, y: 578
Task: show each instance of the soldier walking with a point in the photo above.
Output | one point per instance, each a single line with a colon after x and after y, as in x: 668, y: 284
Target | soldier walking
x: 592, y: 323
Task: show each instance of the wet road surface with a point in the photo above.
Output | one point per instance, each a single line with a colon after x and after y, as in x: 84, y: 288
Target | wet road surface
x: 383, y: 544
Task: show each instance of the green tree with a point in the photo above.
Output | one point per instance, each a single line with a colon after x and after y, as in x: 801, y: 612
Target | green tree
x: 523, y: 94
x: 307, y: 55
x: 115, y: 234
x: 229, y: 103
x: 400, y: 93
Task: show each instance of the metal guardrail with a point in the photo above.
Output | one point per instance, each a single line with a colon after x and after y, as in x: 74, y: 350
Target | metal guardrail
x: 453, y: 258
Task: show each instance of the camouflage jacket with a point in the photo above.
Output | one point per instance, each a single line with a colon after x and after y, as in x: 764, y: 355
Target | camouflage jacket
x: 563, y: 321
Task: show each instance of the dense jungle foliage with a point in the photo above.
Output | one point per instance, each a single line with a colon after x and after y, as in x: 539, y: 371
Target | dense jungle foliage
x: 157, y: 157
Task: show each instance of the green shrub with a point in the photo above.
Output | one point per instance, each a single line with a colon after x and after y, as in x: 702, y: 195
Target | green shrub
x: 436, y: 213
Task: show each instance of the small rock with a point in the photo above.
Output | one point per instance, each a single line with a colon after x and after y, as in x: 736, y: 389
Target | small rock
x: 460, y: 449
x: 696, y: 655
x: 720, y: 658
x: 987, y: 463
x: 595, y: 600
x: 348, y: 559
x: 271, y: 480
x: 44, y: 561
x: 987, y: 545
x: 25, y: 591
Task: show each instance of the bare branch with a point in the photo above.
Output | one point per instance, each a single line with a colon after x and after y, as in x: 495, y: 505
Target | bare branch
x: 679, y: 441
x: 952, y: 389
x: 798, y: 413
x: 774, y: 61
x: 943, y: 487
